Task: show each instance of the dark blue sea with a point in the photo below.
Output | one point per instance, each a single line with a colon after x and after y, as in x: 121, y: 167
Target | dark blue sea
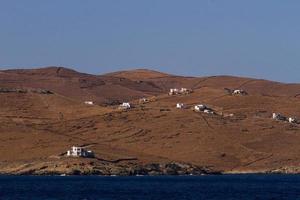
x: 265, y: 187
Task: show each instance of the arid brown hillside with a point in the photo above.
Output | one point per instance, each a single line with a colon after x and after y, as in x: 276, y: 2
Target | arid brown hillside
x: 253, y: 86
x: 37, y: 126
x: 78, y: 86
x: 139, y: 74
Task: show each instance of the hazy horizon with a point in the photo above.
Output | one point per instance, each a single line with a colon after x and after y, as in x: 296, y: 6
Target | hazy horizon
x: 257, y: 39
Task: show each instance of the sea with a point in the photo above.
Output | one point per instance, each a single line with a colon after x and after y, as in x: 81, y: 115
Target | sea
x: 221, y: 187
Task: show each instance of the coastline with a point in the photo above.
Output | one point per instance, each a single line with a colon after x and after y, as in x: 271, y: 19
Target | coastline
x: 152, y: 169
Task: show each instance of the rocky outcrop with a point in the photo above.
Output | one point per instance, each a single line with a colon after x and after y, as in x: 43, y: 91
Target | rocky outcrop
x: 286, y: 170
x: 90, y: 167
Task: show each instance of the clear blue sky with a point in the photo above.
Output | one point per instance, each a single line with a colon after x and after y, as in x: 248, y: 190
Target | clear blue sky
x: 256, y: 38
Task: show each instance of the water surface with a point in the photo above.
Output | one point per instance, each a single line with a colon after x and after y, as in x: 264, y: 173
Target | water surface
x: 143, y: 188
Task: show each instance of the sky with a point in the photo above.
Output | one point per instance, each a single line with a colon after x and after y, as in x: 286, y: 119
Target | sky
x: 252, y: 38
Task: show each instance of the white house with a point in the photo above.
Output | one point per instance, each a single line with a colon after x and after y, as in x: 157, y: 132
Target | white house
x: 242, y: 92
x: 204, y: 108
x: 200, y: 107
x: 89, y: 103
x: 79, y: 152
x: 180, y: 106
x: 125, y: 106
x: 278, y: 116
x: 208, y: 111
x: 185, y: 91
x: 292, y: 120
x: 173, y: 91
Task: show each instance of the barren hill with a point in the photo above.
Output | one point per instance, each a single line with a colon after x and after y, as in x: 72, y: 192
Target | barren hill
x: 42, y: 114
x: 138, y: 74
x: 78, y: 86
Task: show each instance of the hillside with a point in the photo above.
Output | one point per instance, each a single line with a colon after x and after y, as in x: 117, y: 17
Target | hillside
x: 78, y: 86
x: 42, y: 114
x: 138, y: 74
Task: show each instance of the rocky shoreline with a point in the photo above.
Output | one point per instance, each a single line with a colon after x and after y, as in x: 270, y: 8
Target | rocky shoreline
x: 129, y: 169
x: 108, y: 169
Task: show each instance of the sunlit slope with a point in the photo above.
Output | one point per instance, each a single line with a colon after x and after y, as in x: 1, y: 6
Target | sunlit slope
x: 240, y: 136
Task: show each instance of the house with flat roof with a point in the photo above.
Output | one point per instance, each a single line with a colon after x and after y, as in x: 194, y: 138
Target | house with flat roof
x: 125, y: 106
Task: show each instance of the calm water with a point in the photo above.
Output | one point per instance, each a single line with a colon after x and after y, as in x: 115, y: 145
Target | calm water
x: 142, y: 188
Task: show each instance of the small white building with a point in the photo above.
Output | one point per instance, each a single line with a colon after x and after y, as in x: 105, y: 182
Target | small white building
x: 180, y: 106
x: 125, y: 106
x: 89, y: 103
x: 208, y: 111
x: 203, y: 108
x: 292, y: 120
x: 239, y: 92
x: 200, y: 107
x: 185, y: 91
x: 174, y: 91
x: 278, y: 116
x: 80, y: 152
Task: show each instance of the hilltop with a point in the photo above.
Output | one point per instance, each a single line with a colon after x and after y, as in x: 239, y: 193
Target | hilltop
x: 42, y: 114
x: 138, y: 74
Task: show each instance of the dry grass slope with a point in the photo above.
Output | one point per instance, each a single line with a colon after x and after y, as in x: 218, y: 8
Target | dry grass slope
x: 36, y: 129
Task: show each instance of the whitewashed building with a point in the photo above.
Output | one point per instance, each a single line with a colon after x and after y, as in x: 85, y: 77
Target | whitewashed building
x: 173, y: 91
x: 79, y: 152
x: 292, y: 120
x: 208, y: 111
x: 200, y: 107
x: 180, y: 106
x: 89, y: 103
x: 239, y: 92
x: 278, y: 116
x: 203, y: 108
x: 125, y: 106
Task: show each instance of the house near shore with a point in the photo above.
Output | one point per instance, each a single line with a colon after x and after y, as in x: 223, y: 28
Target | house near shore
x: 125, y: 106
x: 89, y: 103
x: 80, y: 152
